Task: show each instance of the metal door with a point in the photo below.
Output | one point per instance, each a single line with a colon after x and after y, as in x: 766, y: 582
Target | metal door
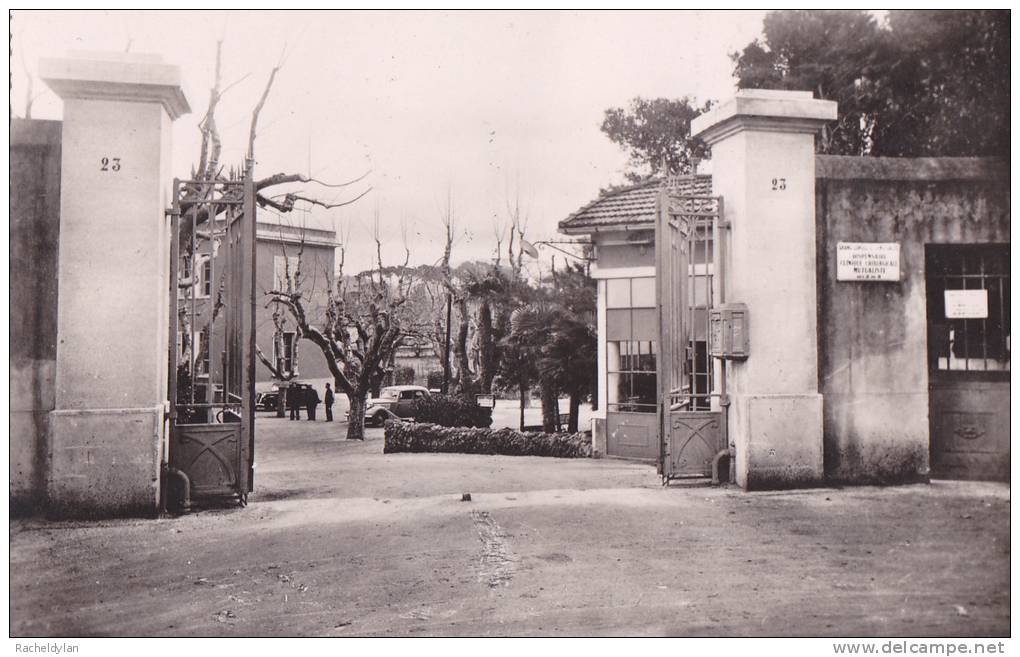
x: 691, y: 422
x: 968, y: 293
x: 212, y: 337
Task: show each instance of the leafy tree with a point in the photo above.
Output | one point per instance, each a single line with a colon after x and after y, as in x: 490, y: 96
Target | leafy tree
x: 554, y: 339
x: 949, y: 84
x: 830, y: 53
x: 928, y: 83
x: 656, y: 133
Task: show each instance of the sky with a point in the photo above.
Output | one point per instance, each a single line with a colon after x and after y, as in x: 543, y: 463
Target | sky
x: 475, y: 108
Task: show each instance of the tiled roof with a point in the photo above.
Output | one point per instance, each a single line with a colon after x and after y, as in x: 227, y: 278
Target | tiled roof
x: 630, y: 206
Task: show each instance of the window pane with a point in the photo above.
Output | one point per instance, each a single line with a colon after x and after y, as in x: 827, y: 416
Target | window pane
x: 646, y: 363
x: 644, y: 324
x: 698, y: 290
x: 618, y: 324
x: 643, y: 291
x: 618, y: 293
x: 613, y: 357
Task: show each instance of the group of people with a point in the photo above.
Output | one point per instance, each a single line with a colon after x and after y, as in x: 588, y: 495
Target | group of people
x: 302, y: 395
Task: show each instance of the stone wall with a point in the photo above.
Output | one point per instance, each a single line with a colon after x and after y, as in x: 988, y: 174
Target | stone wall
x: 872, y: 336
x: 34, y: 231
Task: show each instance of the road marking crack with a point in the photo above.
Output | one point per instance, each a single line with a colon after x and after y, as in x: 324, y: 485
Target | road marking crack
x: 497, y: 562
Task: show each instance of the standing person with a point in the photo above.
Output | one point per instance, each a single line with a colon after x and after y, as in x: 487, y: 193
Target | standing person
x: 294, y: 401
x: 311, y: 402
x: 328, y: 400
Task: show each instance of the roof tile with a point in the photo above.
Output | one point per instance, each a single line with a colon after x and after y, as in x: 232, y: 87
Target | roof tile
x: 630, y: 205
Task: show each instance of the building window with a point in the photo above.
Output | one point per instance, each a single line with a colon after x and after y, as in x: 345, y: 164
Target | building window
x: 205, y: 277
x: 632, y: 380
x: 201, y: 346
x: 284, y: 269
x: 631, y: 334
x: 283, y: 352
x: 202, y: 285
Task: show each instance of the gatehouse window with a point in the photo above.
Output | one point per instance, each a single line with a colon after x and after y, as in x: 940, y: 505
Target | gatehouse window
x: 632, y: 379
x: 631, y: 334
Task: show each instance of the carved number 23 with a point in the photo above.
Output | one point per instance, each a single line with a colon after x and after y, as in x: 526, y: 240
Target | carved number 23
x: 110, y: 164
x: 778, y: 184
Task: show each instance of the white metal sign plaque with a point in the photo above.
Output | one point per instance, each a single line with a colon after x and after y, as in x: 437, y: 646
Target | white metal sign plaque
x: 966, y: 304
x: 867, y: 261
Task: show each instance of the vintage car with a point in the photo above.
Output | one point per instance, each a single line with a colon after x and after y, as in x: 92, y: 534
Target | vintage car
x: 393, y: 401
x: 266, y: 401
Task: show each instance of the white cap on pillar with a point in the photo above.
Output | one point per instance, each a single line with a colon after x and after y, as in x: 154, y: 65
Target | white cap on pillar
x: 116, y: 76
x: 770, y: 110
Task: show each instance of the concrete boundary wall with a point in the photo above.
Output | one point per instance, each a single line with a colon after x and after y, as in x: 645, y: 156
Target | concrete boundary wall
x: 34, y: 235
x: 872, y: 336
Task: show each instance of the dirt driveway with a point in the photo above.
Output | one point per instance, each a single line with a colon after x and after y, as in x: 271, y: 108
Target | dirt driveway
x: 343, y: 540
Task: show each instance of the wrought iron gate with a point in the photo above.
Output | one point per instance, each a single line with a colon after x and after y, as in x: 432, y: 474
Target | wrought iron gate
x: 691, y: 418
x: 212, y: 338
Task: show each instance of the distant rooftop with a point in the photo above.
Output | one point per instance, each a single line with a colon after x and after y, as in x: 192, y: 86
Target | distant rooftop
x: 631, y: 206
x: 272, y: 232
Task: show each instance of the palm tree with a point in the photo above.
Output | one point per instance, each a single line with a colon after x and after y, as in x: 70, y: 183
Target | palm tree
x: 555, y: 335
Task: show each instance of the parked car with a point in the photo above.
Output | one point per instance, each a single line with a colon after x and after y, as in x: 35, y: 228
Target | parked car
x: 266, y: 401
x: 393, y: 401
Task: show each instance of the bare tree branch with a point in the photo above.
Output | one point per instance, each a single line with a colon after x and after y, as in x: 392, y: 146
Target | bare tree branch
x: 262, y: 101
x: 281, y: 178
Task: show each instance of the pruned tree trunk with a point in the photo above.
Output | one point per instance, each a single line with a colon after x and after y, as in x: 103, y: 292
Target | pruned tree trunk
x: 356, y: 419
x: 524, y: 400
x: 281, y: 403
x: 464, y: 382
x: 550, y: 408
x: 487, y: 347
x: 575, y: 411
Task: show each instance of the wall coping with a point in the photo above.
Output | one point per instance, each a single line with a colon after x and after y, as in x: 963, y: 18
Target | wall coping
x: 35, y: 132
x: 117, y: 76
x: 851, y: 167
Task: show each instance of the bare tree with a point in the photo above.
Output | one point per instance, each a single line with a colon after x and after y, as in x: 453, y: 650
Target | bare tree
x: 365, y: 322
x: 211, y: 227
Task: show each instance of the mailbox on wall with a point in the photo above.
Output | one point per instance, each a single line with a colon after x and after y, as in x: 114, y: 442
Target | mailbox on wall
x: 729, y: 328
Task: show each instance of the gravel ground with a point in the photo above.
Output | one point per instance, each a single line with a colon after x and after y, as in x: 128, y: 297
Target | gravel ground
x: 342, y: 540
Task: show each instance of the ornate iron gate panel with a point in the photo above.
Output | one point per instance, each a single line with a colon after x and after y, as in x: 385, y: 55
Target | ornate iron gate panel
x: 692, y: 424
x: 210, y: 455
x: 694, y: 440
x: 212, y: 359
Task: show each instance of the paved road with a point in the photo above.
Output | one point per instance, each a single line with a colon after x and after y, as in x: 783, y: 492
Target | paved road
x: 343, y: 540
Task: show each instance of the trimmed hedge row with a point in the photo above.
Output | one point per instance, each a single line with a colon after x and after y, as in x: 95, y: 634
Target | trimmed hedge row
x: 420, y: 437
x: 448, y: 411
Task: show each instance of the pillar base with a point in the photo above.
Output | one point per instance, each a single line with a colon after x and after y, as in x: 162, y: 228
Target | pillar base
x: 778, y: 441
x: 105, y: 462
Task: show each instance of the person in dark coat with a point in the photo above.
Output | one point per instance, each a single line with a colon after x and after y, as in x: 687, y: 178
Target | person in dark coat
x: 294, y: 401
x: 328, y: 400
x: 311, y: 402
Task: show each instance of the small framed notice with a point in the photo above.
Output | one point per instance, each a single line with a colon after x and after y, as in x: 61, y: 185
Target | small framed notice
x: 966, y: 304
x: 867, y: 261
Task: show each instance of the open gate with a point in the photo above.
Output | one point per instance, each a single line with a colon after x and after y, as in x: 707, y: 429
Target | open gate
x: 692, y: 423
x: 212, y: 339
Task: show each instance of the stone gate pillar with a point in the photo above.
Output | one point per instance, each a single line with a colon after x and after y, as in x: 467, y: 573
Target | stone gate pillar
x: 113, y: 283
x: 763, y: 165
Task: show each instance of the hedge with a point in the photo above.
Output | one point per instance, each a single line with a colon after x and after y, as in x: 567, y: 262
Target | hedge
x: 420, y: 437
x: 449, y: 411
